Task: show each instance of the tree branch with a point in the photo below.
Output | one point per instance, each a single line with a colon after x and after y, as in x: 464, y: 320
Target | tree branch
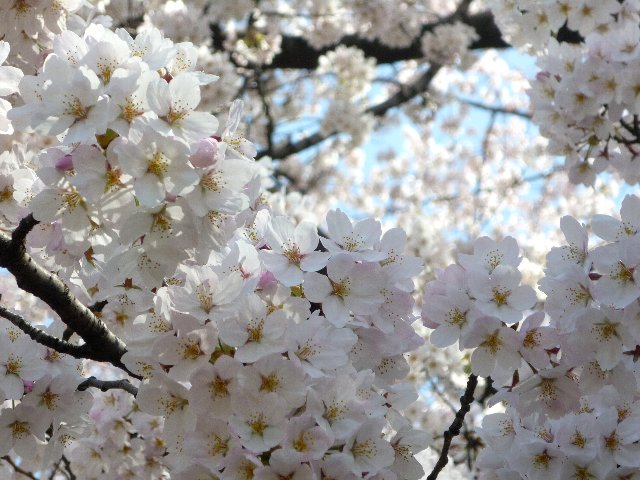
x: 77, y: 351
x: 454, y: 429
x: 19, y: 235
x: 17, y: 469
x: 33, y: 278
x: 403, y: 95
x: 297, y: 53
x: 67, y: 467
x: 492, y: 109
x: 104, y: 385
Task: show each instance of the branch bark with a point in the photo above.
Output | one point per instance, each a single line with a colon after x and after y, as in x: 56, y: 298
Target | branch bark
x: 454, y: 429
x: 104, y: 385
x: 297, y: 53
x: 77, y: 351
x: 101, y: 344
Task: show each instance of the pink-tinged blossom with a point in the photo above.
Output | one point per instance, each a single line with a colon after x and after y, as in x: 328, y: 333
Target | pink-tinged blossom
x: 73, y: 105
x: 406, y: 443
x: 205, y: 294
x: 536, y: 339
x: 22, y: 429
x: 488, y: 254
x: 356, y: 240
x: 174, y: 103
x: 337, y: 465
x: 559, y: 259
x: 94, y: 177
x: 214, y: 385
x: 235, y: 145
x: 593, y: 378
x: 292, y: 250
x: 20, y: 361
x: 348, y: 287
x: 617, y: 282
x: 567, y: 296
x: 259, y: 421
x: 170, y: 399
x: 537, y: 459
x: 276, y: 374
x: 58, y: 400
x: 318, y: 346
x: 150, y: 265
x: 16, y: 188
x: 614, y: 230
x: 369, y: 451
x: 150, y: 46
x: 600, y: 334
x: 332, y: 402
x: 187, y: 351
x: 239, y: 465
x: 619, y: 437
x: 128, y: 92
x: 501, y: 294
x: 210, y: 443
x: 397, y: 266
x: 554, y: 392
x: 220, y: 186
x: 304, y: 440
x: 496, y: 353
x: 158, y: 166
x: 9, y: 81
x: 254, y: 331
x: 165, y: 222
x: 451, y: 315
x: 577, y: 436
x: 281, y: 467
x: 69, y: 207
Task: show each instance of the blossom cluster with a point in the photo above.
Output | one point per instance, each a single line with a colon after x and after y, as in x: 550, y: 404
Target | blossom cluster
x: 585, y: 96
x: 568, y: 373
x: 262, y: 349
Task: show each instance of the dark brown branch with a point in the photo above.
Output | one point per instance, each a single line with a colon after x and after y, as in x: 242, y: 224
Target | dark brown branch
x: 19, y: 235
x: 297, y: 53
x: 33, y: 278
x: 77, y: 351
x: 104, y: 385
x: 454, y: 429
x: 67, y: 467
x: 267, y: 112
x: 55, y: 469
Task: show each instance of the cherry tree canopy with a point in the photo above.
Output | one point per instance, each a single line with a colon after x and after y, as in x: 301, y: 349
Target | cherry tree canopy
x: 195, y: 283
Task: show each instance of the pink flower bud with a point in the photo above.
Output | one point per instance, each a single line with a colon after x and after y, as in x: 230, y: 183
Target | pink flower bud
x: 65, y: 163
x: 206, y: 153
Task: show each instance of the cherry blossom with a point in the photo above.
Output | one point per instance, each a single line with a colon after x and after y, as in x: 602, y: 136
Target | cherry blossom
x: 177, y: 304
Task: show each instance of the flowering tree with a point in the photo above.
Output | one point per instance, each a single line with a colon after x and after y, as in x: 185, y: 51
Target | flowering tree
x: 184, y: 300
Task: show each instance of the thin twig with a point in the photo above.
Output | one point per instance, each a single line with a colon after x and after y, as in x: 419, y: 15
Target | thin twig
x: 77, y: 351
x: 404, y: 94
x: 67, y: 467
x: 104, y: 385
x: 55, y: 469
x: 454, y: 429
x: 492, y: 109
